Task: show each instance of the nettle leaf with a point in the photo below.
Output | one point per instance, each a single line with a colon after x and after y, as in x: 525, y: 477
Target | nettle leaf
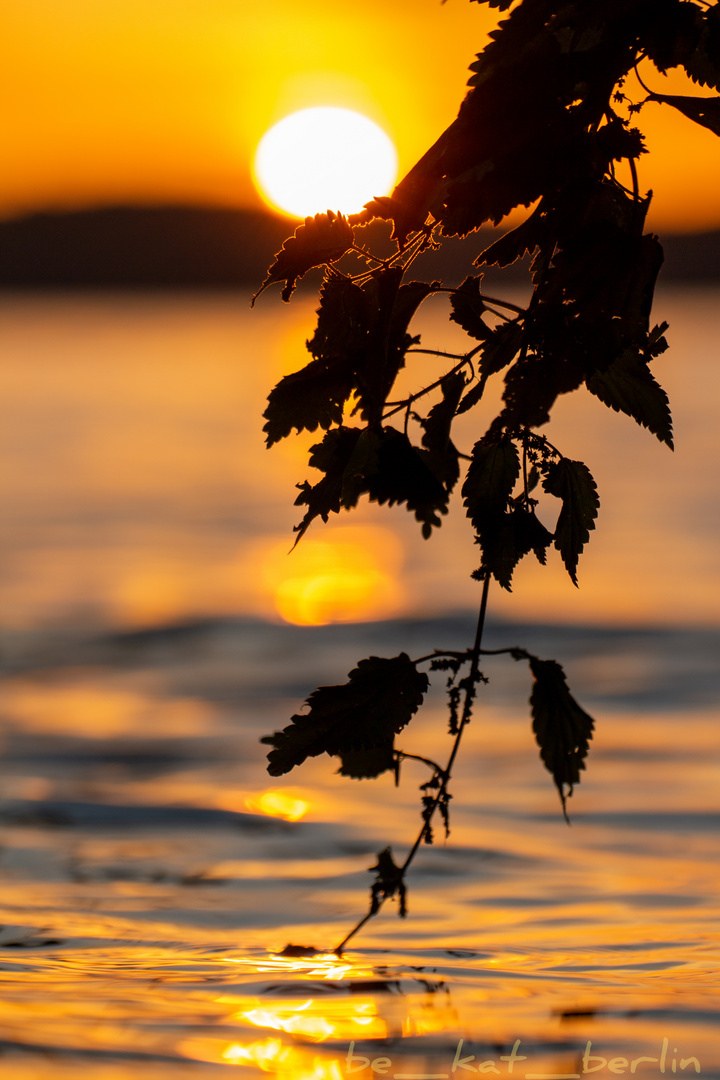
x: 506, y: 541
x: 490, y: 479
x: 346, y: 318
x: 672, y: 33
x: 562, y: 729
x: 363, y: 463
x: 442, y: 456
x: 572, y: 482
x: 321, y: 240
x: 703, y: 65
x: 356, y: 721
x: 704, y: 111
x: 468, y: 308
x: 331, y: 457
x: 308, y: 399
x: 404, y: 475
x: 628, y: 386
x: 517, y: 242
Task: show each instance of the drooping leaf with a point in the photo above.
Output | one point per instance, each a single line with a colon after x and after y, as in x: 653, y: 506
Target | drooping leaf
x: 517, y: 242
x: 533, y: 383
x: 572, y: 482
x: 704, y: 111
x: 322, y: 239
x: 628, y: 386
x: 490, y: 479
x: 442, y: 457
x: 507, y: 540
x: 468, y: 308
x: 307, y: 399
x: 346, y: 318
x: 671, y: 32
x: 703, y: 65
x: 404, y: 475
x: 331, y: 457
x: 563, y: 730
x: 362, y: 465
x: 356, y: 721
x: 389, y: 880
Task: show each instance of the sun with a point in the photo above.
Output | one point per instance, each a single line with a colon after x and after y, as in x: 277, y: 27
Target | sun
x: 324, y: 158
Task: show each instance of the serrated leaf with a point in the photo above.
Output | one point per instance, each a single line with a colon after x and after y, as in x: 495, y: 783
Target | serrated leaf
x: 356, y: 721
x: 703, y: 111
x: 562, y: 729
x: 331, y: 457
x: 628, y: 386
x: 322, y: 239
x: 572, y: 482
x: 404, y: 475
x: 506, y: 541
x: 442, y: 456
x: 468, y: 308
x: 308, y: 399
x: 490, y: 479
x: 517, y: 242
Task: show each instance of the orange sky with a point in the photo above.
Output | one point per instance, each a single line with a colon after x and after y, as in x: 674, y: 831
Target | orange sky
x: 165, y: 100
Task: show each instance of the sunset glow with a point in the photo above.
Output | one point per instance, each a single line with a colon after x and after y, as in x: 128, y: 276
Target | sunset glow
x: 324, y: 159
x: 349, y: 574
x: 278, y: 804
x: 119, y: 103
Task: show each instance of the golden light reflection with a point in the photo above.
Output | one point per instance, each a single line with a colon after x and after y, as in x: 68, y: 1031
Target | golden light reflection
x: 322, y: 965
x: 316, y: 1020
x: 278, y: 804
x: 350, y: 575
x: 270, y: 1055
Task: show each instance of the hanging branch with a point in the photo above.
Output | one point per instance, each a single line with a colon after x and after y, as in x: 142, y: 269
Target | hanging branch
x: 540, y: 127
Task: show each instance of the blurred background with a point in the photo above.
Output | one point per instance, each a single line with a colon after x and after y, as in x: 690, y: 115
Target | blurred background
x: 154, y: 625
x: 135, y: 486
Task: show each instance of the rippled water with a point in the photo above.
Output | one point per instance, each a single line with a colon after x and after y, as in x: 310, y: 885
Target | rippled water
x: 148, y: 890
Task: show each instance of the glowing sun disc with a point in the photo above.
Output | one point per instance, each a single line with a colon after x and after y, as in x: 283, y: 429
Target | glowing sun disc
x: 324, y: 159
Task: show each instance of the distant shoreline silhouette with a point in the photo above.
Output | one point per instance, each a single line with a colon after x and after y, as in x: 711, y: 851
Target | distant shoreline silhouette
x: 209, y: 247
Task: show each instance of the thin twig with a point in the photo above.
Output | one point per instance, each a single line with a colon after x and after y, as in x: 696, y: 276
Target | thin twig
x: 472, y: 681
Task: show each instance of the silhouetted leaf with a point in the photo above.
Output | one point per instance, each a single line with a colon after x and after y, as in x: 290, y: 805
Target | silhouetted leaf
x: 672, y: 32
x: 703, y: 65
x: 331, y: 456
x: 468, y: 308
x: 355, y: 721
x: 493, y: 471
x: 404, y: 475
x: 310, y: 398
x: 563, y: 730
x: 572, y: 482
x: 389, y: 880
x: 704, y: 111
x: 322, y: 239
x: 515, y: 243
x: 506, y: 540
x: 628, y: 386
x: 442, y: 457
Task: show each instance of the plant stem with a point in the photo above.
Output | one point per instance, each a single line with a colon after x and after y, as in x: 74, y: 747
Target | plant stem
x: 464, y: 720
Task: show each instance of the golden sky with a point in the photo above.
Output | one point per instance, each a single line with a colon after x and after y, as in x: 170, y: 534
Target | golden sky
x: 148, y: 101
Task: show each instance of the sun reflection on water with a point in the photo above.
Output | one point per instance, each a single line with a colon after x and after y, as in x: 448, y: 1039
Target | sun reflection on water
x: 278, y: 804
x: 351, y: 574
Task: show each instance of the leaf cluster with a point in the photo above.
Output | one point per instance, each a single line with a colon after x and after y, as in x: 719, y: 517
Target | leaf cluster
x: 356, y: 721
x: 546, y: 125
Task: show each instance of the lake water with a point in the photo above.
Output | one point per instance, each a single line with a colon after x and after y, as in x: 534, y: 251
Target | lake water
x: 151, y: 635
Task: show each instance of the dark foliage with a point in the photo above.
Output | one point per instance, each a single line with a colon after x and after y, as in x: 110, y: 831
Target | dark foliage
x: 356, y: 722
x: 547, y: 124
